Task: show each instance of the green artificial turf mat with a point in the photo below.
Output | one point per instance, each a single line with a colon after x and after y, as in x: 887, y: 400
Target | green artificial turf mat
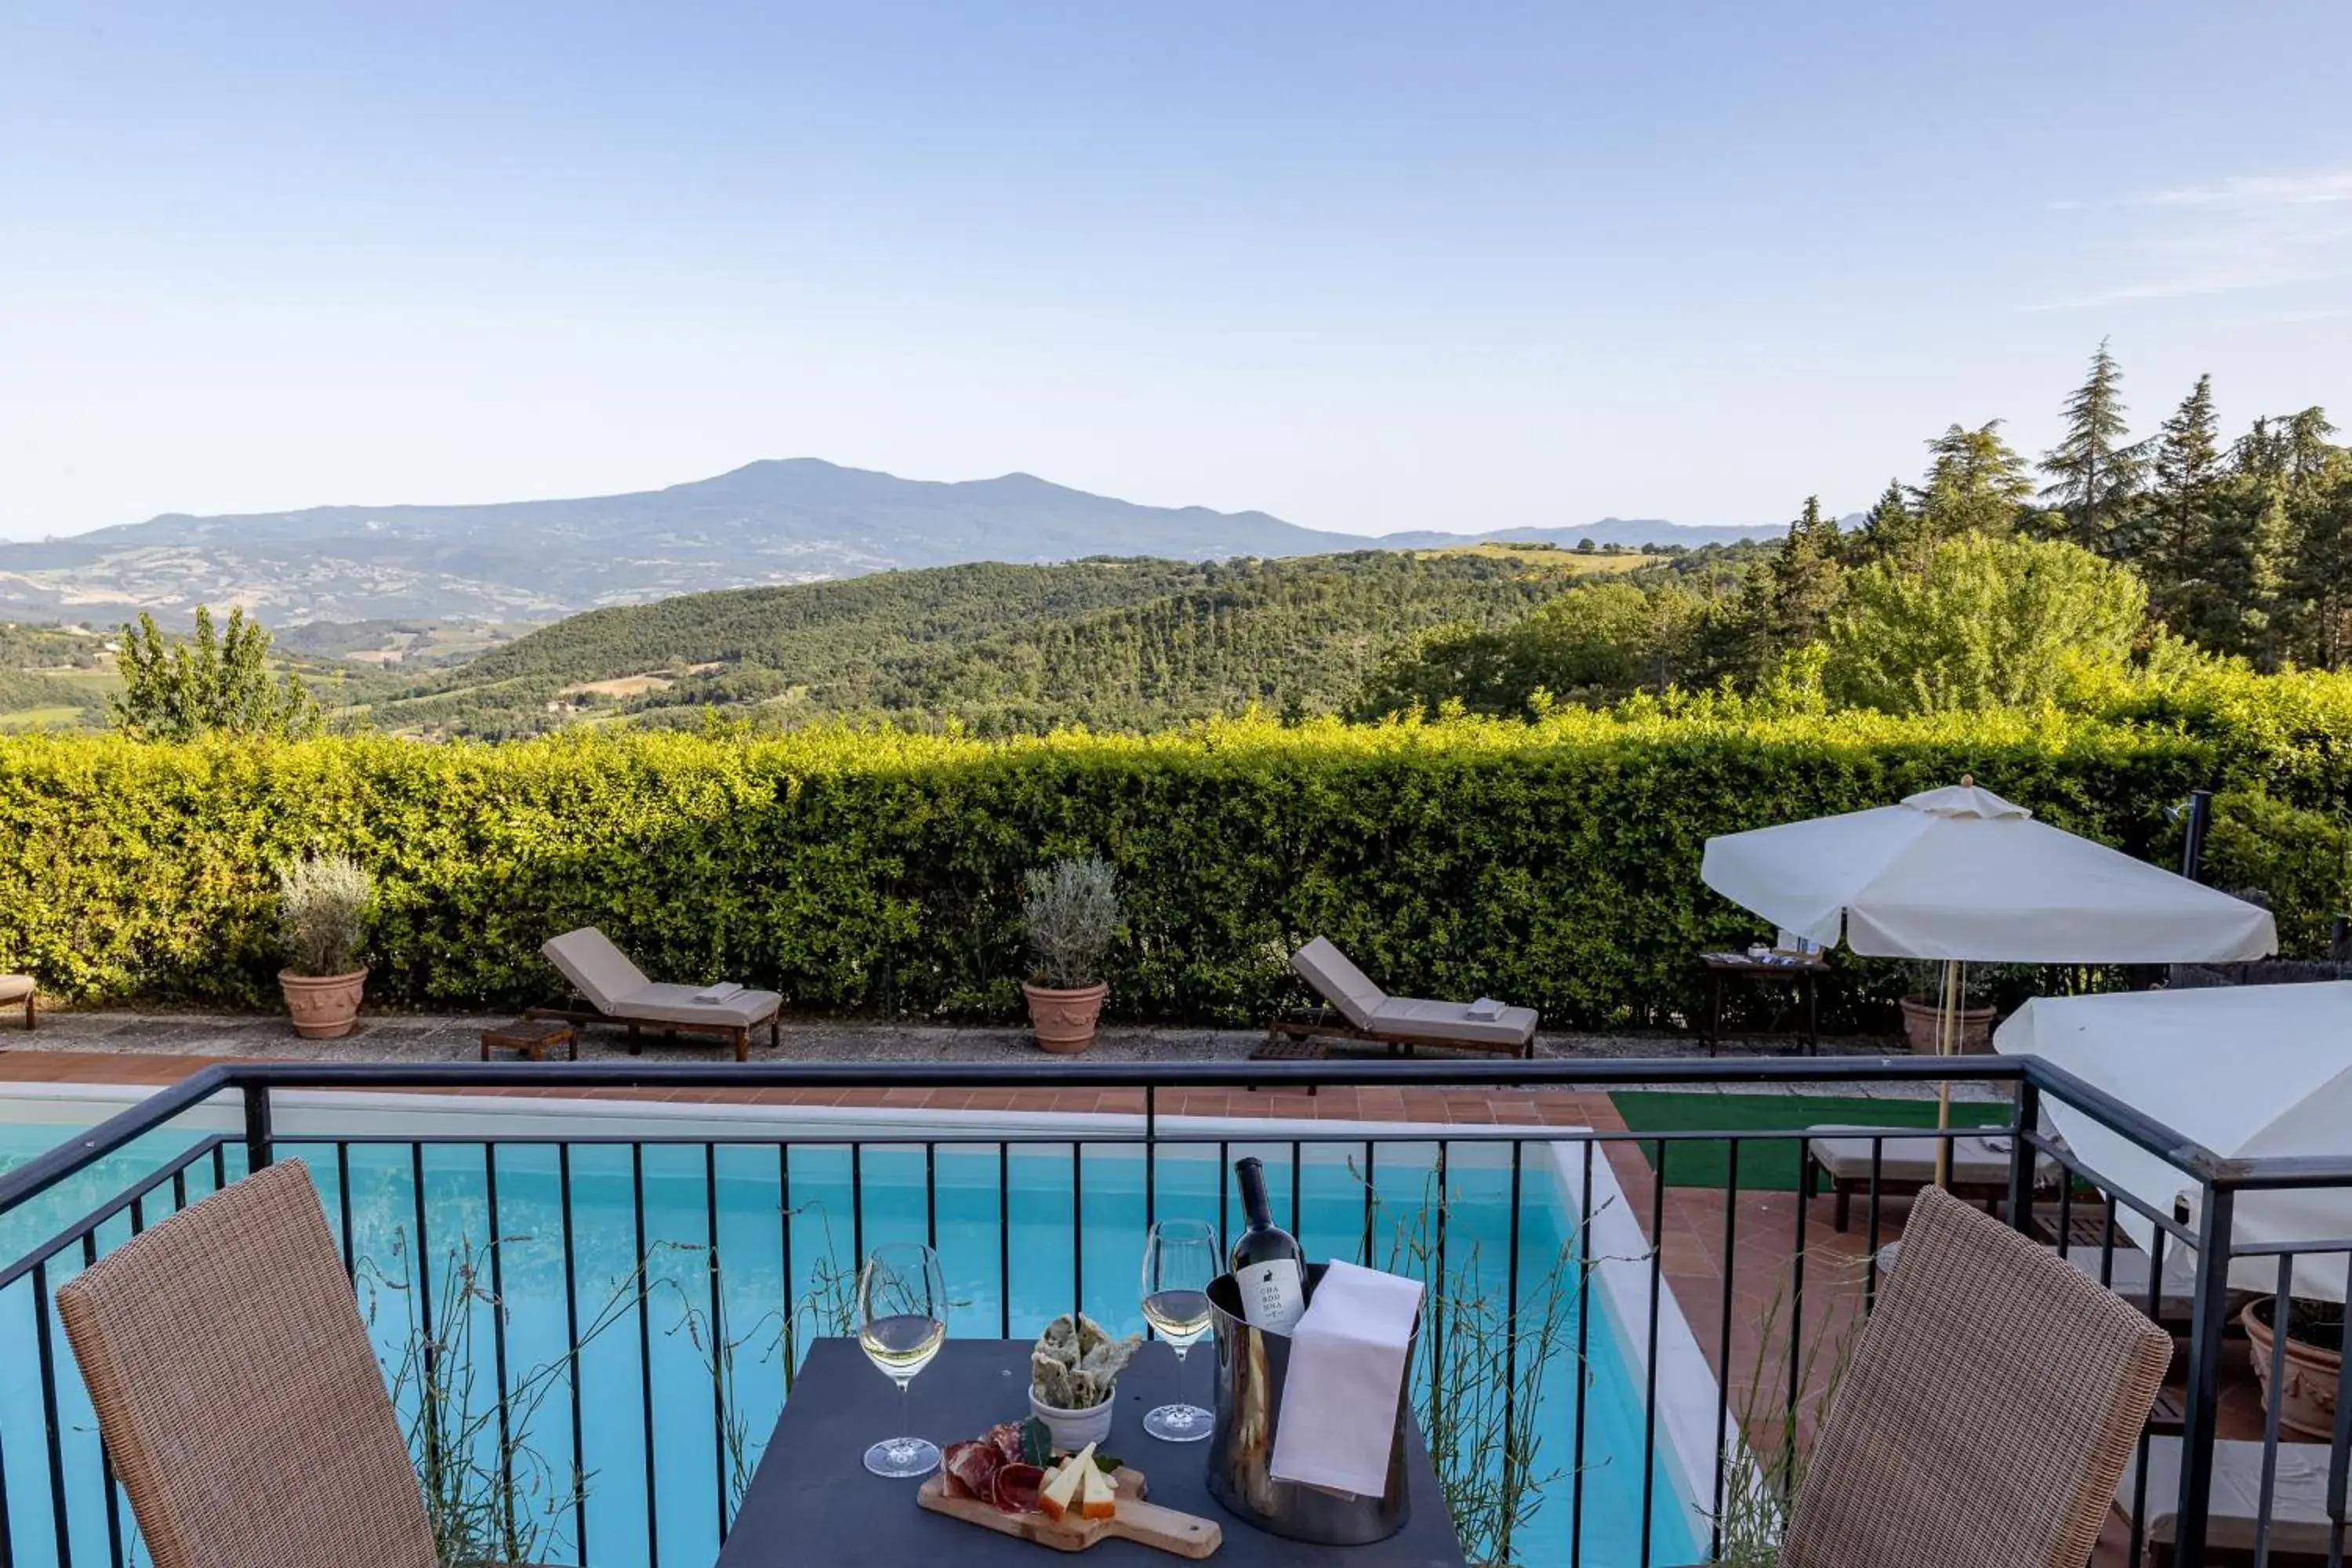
x: 1770, y: 1165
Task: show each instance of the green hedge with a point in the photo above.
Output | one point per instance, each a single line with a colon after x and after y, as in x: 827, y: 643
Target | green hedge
x: 1554, y: 863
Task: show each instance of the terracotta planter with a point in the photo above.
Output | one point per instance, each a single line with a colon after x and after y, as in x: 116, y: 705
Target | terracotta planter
x: 323, y: 1007
x: 1922, y: 1019
x: 2308, y: 1406
x: 1064, y: 1020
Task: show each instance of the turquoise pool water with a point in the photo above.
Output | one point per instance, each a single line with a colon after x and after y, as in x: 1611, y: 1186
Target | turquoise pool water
x: 758, y: 1212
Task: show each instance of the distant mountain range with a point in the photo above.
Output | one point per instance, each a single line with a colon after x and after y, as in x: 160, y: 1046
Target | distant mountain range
x: 791, y: 520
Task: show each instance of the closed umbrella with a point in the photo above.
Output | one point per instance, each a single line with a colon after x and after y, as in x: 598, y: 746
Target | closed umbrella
x: 1963, y: 876
x: 2246, y: 1070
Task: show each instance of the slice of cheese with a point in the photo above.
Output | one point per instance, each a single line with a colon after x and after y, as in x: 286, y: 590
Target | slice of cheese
x: 1096, y: 1499
x: 1061, y: 1489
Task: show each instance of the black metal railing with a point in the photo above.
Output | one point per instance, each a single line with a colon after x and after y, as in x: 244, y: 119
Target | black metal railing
x: 627, y: 1259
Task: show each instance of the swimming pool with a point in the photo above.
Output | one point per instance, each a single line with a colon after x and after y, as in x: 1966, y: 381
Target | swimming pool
x: 784, y: 1227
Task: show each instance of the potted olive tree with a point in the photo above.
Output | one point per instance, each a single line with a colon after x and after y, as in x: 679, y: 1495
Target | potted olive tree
x: 1923, y: 1008
x: 1072, y: 913
x: 322, y: 904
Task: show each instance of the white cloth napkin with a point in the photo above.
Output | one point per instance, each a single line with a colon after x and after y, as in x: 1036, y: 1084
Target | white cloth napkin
x: 1346, y: 1365
x: 724, y: 990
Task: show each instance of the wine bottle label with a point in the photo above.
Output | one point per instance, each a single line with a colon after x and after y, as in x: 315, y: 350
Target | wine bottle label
x: 1273, y: 1295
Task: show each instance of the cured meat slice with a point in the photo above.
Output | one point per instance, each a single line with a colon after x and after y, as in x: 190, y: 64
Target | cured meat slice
x: 971, y: 1469
x: 1006, y: 1435
x: 1016, y: 1487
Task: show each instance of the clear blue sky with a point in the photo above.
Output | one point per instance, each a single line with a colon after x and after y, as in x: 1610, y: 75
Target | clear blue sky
x: 1365, y: 266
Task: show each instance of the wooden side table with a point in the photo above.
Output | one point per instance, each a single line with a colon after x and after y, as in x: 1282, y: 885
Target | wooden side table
x: 1805, y: 973
x: 534, y: 1037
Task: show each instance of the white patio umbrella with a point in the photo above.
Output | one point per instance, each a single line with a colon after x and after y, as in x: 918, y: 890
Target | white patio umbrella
x: 1963, y: 876
x: 2246, y: 1070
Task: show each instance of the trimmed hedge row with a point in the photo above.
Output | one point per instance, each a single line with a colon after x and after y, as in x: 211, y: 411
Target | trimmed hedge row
x: 1554, y: 863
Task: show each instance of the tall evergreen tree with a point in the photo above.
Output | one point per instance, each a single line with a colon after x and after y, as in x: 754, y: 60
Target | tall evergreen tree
x: 1807, y: 582
x: 2178, y: 545
x: 2317, y: 592
x: 1890, y: 527
x: 1975, y: 484
x: 2311, y: 456
x: 2095, y: 471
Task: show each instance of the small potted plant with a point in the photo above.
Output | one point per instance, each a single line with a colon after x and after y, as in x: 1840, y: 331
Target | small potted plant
x: 1072, y: 913
x: 1073, y: 1374
x: 322, y: 904
x: 2314, y: 1361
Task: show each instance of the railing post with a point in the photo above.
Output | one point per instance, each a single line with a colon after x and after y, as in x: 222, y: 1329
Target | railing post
x: 2199, y: 1430
x: 2199, y: 817
x: 256, y: 1128
x: 2024, y: 1157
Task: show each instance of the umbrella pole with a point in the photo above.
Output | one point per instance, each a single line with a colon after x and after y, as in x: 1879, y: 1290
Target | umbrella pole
x: 1947, y: 1024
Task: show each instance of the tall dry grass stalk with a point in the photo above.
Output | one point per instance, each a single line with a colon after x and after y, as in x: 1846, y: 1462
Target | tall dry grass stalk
x: 1765, y: 1457
x: 1480, y: 1372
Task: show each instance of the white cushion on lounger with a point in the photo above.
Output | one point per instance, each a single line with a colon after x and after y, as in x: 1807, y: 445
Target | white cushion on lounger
x: 2299, y: 1520
x: 590, y: 961
x: 618, y: 988
x: 1976, y: 1161
x: 1342, y: 984
x: 1444, y: 1022
x: 663, y: 1003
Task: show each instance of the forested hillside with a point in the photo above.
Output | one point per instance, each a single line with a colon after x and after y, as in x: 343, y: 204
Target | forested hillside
x: 1995, y: 580
x: 1113, y: 644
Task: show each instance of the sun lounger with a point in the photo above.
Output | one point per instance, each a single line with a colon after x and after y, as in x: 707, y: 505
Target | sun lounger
x: 1980, y: 1165
x: 2299, y: 1523
x: 2127, y: 1277
x: 617, y: 991
x: 16, y: 988
x: 1364, y: 1013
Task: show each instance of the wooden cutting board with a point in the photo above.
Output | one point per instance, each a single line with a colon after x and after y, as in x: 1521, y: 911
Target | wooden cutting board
x: 1147, y: 1524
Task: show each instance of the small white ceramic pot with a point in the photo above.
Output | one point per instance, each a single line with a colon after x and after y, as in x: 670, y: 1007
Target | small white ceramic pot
x: 1074, y: 1429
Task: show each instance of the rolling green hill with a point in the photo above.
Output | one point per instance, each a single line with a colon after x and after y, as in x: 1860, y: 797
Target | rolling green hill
x: 1110, y: 643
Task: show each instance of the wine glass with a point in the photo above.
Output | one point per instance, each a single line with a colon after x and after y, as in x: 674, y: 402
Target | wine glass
x: 1178, y: 1261
x: 902, y: 1320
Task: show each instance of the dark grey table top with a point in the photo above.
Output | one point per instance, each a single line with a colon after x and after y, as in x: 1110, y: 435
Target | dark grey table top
x: 812, y: 1501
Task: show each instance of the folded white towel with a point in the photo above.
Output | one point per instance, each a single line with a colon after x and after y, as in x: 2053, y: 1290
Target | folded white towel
x: 725, y: 991
x: 1346, y: 1367
x: 1485, y: 1008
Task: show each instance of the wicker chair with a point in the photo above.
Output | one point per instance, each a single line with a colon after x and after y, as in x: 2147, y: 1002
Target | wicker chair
x: 1991, y: 1406
x: 238, y: 1393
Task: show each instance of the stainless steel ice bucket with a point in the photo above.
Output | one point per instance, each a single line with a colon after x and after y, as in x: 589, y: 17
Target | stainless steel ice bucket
x: 1251, y: 1365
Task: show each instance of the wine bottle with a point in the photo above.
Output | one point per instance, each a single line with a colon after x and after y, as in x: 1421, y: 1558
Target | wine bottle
x: 1267, y: 1264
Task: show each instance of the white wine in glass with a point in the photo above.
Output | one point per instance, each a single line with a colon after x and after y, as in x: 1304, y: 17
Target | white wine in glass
x: 902, y: 1320
x: 1178, y: 1261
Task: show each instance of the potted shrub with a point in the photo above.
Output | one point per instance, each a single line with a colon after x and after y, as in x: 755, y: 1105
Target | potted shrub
x: 2314, y: 1361
x: 1072, y: 913
x: 1072, y: 1375
x: 1923, y: 1008
x: 322, y: 904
